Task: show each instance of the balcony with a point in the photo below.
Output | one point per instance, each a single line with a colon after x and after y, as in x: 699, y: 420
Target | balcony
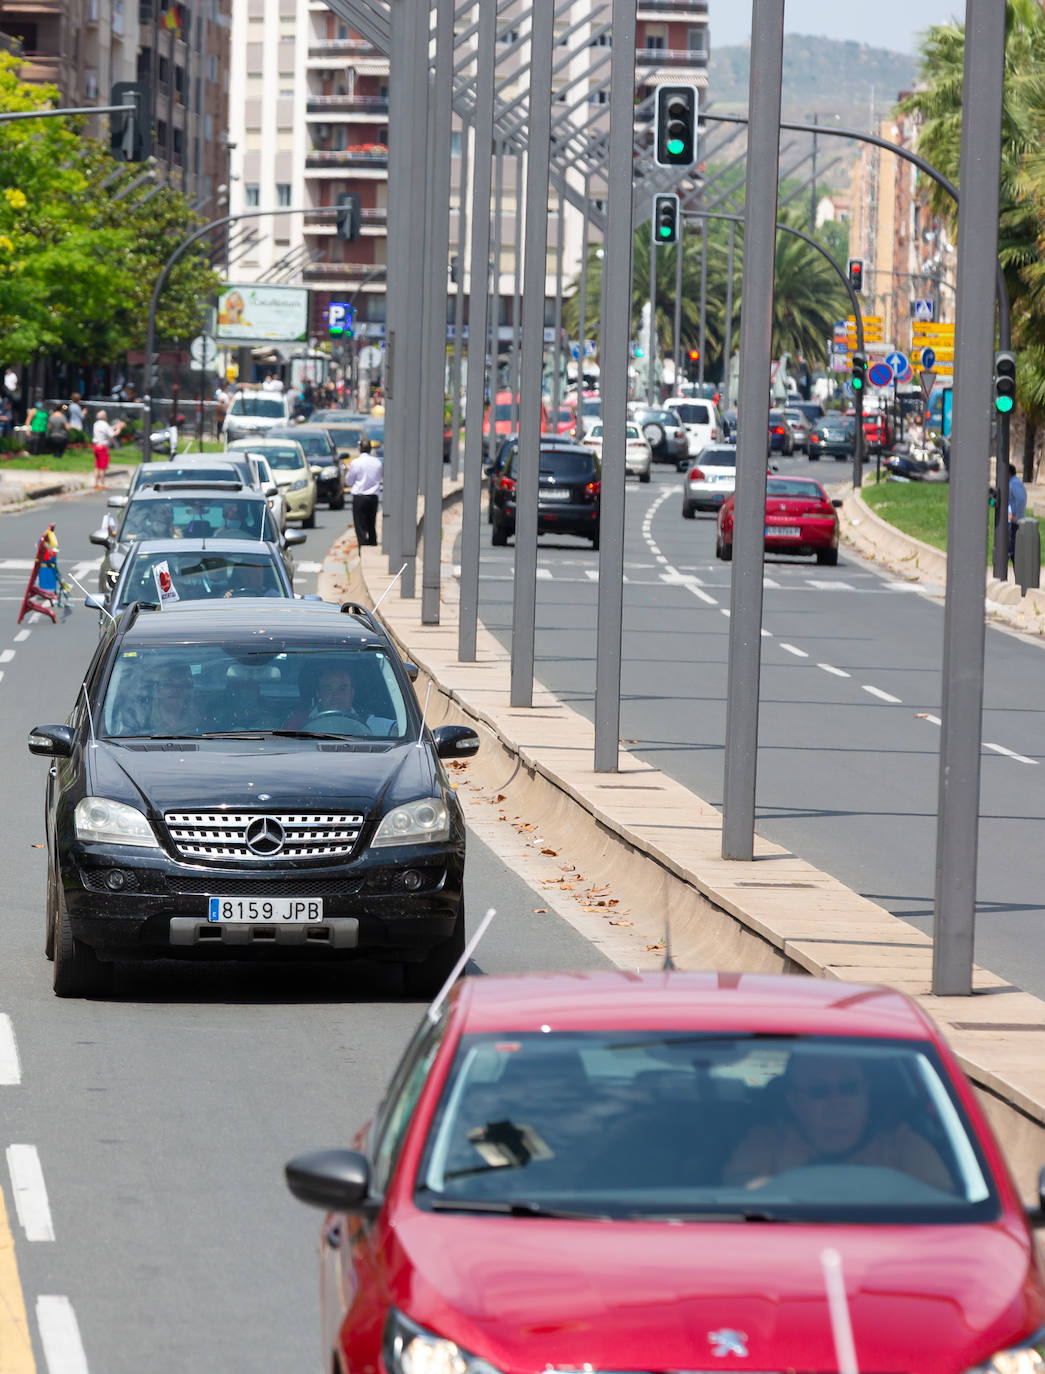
x: 347, y: 104
x: 371, y: 219
x: 696, y: 58
x: 672, y: 9
x: 374, y: 156
x: 346, y: 47
x: 343, y: 271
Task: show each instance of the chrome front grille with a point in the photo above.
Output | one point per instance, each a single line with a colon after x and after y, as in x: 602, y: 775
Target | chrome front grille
x: 261, y: 836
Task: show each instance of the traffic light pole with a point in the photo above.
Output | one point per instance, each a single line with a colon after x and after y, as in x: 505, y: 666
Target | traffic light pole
x: 651, y: 342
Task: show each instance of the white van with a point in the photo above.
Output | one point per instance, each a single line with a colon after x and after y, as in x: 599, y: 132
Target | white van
x: 253, y: 412
x: 700, y: 419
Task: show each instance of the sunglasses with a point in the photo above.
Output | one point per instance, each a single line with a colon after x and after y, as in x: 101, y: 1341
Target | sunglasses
x: 848, y: 1087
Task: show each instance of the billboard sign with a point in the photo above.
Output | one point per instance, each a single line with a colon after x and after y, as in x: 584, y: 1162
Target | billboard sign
x: 258, y: 313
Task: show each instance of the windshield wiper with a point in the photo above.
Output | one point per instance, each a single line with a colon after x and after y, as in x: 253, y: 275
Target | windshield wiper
x: 308, y: 734
x: 512, y: 1209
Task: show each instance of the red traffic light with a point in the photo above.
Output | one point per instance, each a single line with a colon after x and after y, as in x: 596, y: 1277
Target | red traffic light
x: 694, y: 355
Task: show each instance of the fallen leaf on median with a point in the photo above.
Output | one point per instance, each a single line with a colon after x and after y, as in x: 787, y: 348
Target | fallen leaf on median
x: 540, y: 911
x: 552, y: 853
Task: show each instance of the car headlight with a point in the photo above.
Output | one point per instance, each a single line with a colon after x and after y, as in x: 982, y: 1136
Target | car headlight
x: 409, y: 1349
x: 418, y: 822
x: 101, y: 821
x: 299, y: 484
x: 1021, y: 1359
x: 331, y: 470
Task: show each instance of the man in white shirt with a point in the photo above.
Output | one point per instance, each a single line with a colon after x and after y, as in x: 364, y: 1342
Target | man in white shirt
x: 272, y: 383
x: 363, y: 479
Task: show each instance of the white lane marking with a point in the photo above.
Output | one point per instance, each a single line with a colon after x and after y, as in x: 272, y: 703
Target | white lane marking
x: 7, y: 656
x: 308, y: 567
x: 702, y: 595
x: 723, y: 610
x: 60, y: 1335
x: 10, y: 1066
x: 882, y: 696
x: 829, y: 668
x: 1, y: 677
x: 822, y: 585
x: 16, y: 564
x: 1009, y: 754
x: 80, y: 570
x: 21, y: 636
x: 30, y: 1192
x: 933, y: 720
x: 791, y: 649
x: 592, y: 574
x: 678, y: 579
x: 770, y: 585
x: 544, y: 574
x: 766, y: 634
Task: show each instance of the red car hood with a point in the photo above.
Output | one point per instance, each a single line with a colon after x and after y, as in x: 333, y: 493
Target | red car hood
x: 528, y: 1294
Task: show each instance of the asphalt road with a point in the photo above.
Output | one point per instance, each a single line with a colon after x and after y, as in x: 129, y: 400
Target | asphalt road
x: 161, y: 1119
x: 850, y: 690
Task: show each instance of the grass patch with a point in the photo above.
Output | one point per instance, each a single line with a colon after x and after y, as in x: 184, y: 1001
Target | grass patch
x: 73, y: 460
x: 920, y: 510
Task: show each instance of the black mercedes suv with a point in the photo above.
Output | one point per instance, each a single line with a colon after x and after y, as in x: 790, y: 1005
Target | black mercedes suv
x: 250, y: 778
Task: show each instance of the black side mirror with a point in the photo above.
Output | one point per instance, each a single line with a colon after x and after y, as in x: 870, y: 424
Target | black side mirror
x: 52, y: 741
x: 837, y: 502
x: 411, y: 671
x: 336, y: 1180
x: 455, y: 741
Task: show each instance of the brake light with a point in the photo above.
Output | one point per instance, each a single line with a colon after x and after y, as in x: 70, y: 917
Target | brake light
x: 814, y: 438
x: 508, y: 484
x: 593, y: 489
x: 778, y: 429
x: 825, y: 508
x: 696, y: 475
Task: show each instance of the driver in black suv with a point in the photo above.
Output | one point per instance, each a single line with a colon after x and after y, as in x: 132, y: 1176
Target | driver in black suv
x: 333, y: 693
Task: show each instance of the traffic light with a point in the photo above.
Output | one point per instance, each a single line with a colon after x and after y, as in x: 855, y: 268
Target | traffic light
x: 665, y: 219
x: 349, y: 216
x: 859, y: 377
x: 130, y: 138
x: 694, y: 355
x: 856, y: 274
x: 1004, y: 382
x: 676, y: 126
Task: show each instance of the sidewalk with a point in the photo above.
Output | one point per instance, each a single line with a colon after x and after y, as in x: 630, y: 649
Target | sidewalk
x: 21, y: 486
x: 656, y: 847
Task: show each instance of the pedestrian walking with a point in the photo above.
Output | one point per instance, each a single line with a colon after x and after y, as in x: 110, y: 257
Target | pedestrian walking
x: 57, y: 431
x: 36, y: 424
x: 363, y: 479
x: 1017, y: 509
x: 74, y: 412
x: 102, y: 436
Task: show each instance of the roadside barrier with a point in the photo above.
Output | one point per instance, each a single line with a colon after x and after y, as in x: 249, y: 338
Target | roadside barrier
x: 46, y: 588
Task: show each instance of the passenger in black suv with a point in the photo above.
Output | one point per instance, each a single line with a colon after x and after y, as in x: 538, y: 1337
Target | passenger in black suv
x: 221, y: 790
x: 568, y: 499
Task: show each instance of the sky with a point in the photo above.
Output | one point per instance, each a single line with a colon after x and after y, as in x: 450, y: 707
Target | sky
x: 893, y: 24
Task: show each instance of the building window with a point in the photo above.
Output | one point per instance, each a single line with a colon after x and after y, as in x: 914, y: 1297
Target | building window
x: 655, y: 42
x: 697, y: 41
x: 283, y: 193
x: 253, y: 194
x: 208, y: 127
x: 604, y: 40
x: 212, y: 67
x: 163, y: 71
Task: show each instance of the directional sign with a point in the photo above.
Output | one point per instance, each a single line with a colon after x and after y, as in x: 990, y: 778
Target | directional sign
x: 880, y: 374
x: 928, y: 381
x: 898, y: 362
x: 928, y: 357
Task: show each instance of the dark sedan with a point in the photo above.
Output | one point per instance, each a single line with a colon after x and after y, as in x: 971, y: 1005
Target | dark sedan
x: 833, y: 436
x: 569, y: 494
x: 321, y: 452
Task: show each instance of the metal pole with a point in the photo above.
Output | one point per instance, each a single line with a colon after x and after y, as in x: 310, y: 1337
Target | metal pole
x: 462, y: 249
x: 677, y: 323
x: 524, y: 599
x: 582, y: 307
x: 812, y: 183
x: 963, y: 636
x: 756, y: 336
x: 434, y: 361
x: 517, y: 268
x: 651, y: 350
x: 478, y: 316
x: 615, y: 332
x: 396, y: 304
x: 560, y: 228
x: 495, y: 323
x: 702, y: 337
x: 727, y: 342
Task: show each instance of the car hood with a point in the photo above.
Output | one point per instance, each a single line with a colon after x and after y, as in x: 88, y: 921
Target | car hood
x: 533, y: 1293
x: 268, y: 774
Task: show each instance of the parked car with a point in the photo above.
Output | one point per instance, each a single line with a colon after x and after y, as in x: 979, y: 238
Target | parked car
x: 252, y: 412
x: 652, y: 1171
x: 781, y: 437
x: 799, y: 426
x: 308, y: 815
x: 322, y: 454
x: 638, y: 458
x: 494, y: 469
x: 701, y: 421
x: 801, y: 519
x: 710, y: 480
x: 832, y: 437
x: 569, y: 494
x: 293, y: 474
x: 664, y: 433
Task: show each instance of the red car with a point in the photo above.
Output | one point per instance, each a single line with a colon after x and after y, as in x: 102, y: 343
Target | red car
x: 800, y: 519
x: 878, y: 432
x: 617, y: 1171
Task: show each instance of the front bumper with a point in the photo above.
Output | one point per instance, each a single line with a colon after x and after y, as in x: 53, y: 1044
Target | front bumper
x: 370, y: 906
x: 330, y: 489
x: 300, y: 504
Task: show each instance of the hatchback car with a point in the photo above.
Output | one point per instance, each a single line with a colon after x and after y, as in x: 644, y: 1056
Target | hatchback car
x: 664, y: 433
x: 710, y: 480
x: 800, y: 519
x: 292, y: 472
x: 799, y: 427
x: 569, y: 494
x: 621, y: 1171
x: 638, y: 457
x: 259, y: 783
x: 494, y: 469
x: 833, y: 436
x: 322, y: 455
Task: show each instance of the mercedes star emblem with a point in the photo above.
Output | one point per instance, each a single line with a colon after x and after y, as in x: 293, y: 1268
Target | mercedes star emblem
x: 265, y: 836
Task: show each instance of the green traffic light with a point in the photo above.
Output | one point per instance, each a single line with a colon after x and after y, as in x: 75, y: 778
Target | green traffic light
x: 858, y: 384
x: 1003, y: 403
x: 665, y: 231
x: 675, y: 146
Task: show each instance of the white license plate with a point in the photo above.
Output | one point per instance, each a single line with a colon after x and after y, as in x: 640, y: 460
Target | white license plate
x: 783, y: 532
x: 265, y: 911
x: 550, y: 494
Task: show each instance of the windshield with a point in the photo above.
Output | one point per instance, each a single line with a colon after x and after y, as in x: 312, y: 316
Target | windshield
x: 724, y: 457
x: 191, y: 690
x: 316, y: 445
x: 270, y: 407
x: 280, y: 459
x: 691, y: 414
x: 198, y: 517
x: 503, y: 410
x: 167, y: 472
x: 347, y: 435
x: 193, y: 576
x: 647, y: 1124
x: 591, y: 407
x: 796, y: 487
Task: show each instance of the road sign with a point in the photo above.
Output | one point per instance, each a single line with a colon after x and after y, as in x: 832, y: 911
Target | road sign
x: 898, y: 362
x: 928, y: 381
x: 928, y: 357
x: 902, y: 378
x: 930, y: 333
x: 880, y: 374
x: 923, y: 310
x: 203, y: 352
x: 370, y: 357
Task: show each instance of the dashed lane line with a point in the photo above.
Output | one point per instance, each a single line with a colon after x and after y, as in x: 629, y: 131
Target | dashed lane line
x: 882, y: 696
x: 830, y: 668
x: 7, y: 656
x: 10, y: 1064
x: 1009, y: 753
x: 60, y: 1335
x: 30, y: 1192
x: 794, y: 649
x: 21, y: 636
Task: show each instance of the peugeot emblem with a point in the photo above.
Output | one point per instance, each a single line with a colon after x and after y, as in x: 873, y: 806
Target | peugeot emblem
x: 265, y: 836
x: 727, y: 1342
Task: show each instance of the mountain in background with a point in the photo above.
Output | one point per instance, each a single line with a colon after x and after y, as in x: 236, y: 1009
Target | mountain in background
x: 820, y: 74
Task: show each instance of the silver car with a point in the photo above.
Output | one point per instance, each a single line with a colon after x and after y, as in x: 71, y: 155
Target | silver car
x: 799, y: 426
x: 710, y: 479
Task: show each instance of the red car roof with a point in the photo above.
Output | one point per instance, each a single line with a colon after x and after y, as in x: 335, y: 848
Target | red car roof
x: 686, y: 1001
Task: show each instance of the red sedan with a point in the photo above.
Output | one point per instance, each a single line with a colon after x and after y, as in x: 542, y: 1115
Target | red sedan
x: 800, y: 519
x: 612, y: 1171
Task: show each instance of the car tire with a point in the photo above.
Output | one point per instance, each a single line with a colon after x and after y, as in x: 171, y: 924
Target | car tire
x: 689, y: 511
x: 595, y: 542
x: 814, y: 457
x: 498, y: 536
x: 645, y: 476
x: 827, y: 558
x: 426, y: 979
x: 78, y: 972
x: 654, y: 434
x: 309, y: 521
x: 51, y: 911
x: 724, y: 551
